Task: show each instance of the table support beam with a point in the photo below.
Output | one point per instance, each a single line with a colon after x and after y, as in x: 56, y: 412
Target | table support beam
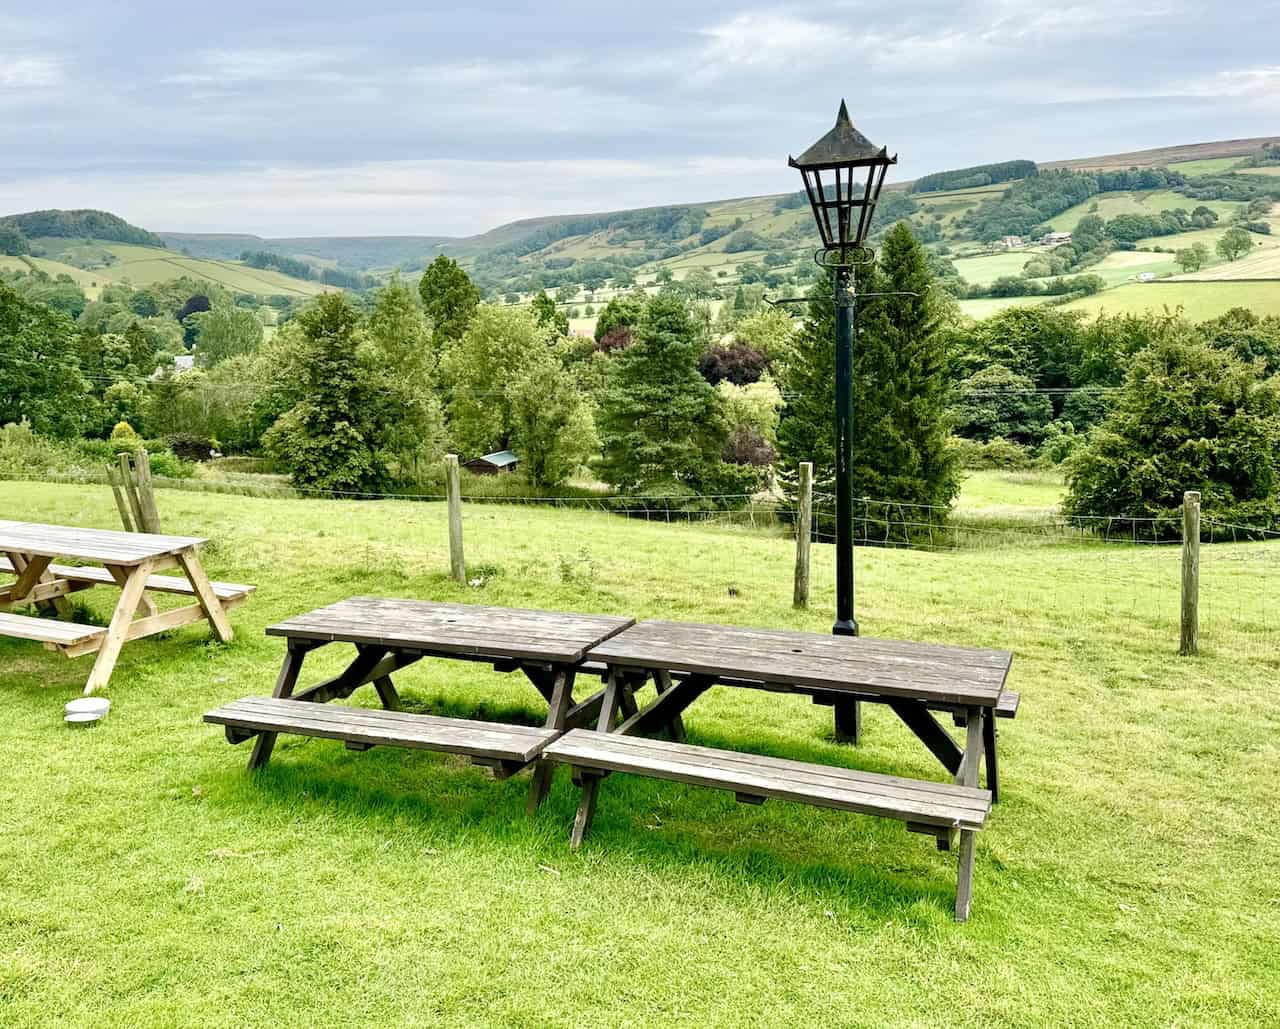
x: 917, y: 717
x: 109, y: 651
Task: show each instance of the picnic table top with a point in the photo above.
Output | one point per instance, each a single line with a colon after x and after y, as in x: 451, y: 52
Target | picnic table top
x: 853, y: 664
x: 463, y: 629
x: 103, y: 546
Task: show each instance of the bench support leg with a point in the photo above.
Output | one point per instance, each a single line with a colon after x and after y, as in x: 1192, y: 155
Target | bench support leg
x: 285, y: 682
x: 920, y: 721
x: 967, y: 775
x: 558, y: 705
x: 209, y: 602
x: 964, y: 875
x: 675, y: 727
x: 591, y: 783
x: 848, y: 721
x: 387, y: 693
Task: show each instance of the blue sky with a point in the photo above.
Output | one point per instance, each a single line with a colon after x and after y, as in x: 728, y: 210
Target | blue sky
x: 387, y: 118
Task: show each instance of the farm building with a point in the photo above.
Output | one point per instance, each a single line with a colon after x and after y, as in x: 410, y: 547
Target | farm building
x: 493, y: 464
x: 1053, y: 239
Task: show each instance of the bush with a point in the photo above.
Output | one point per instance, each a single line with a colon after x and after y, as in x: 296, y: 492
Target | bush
x: 999, y: 453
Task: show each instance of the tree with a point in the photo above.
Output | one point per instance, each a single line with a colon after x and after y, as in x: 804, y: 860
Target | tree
x: 402, y: 367
x: 1189, y: 417
x: 899, y: 405
x: 225, y: 331
x: 566, y: 293
x: 449, y: 297
x: 620, y: 313
x: 552, y: 423
x: 660, y: 422
x: 13, y: 241
x: 770, y: 331
x: 499, y: 346
x: 1234, y: 243
x: 40, y: 377
x: 1192, y: 258
x: 996, y: 403
x: 330, y: 438
x: 548, y: 316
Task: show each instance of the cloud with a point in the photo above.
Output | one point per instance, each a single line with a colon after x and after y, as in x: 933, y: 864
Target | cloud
x: 29, y: 72
x: 771, y: 39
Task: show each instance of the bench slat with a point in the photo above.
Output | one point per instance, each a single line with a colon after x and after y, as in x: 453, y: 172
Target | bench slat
x: 45, y: 630
x: 155, y: 583
x: 514, y: 743
x: 939, y: 804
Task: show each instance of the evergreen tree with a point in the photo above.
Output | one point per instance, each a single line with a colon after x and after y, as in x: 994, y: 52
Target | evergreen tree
x: 449, y: 297
x: 40, y: 377
x: 899, y: 388
x: 660, y: 422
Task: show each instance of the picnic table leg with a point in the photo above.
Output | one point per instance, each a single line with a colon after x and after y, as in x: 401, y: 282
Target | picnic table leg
x: 21, y: 562
x: 591, y: 782
x: 285, y: 682
x: 118, y: 631
x: 559, y: 702
x: 209, y: 602
x: 675, y: 728
x: 968, y: 776
x: 121, y: 576
x: 848, y: 721
x: 387, y: 693
x: 989, y: 746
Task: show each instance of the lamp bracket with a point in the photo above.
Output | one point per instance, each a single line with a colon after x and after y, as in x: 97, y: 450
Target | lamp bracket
x: 839, y: 257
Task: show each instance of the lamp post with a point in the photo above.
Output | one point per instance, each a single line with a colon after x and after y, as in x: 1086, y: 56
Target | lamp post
x: 858, y: 168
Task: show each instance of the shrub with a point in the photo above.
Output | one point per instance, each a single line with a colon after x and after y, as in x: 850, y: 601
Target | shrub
x: 999, y: 453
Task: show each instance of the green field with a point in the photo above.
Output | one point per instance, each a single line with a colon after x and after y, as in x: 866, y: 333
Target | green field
x: 1198, y: 300
x: 1109, y: 205
x: 1128, y: 876
x: 91, y: 282
x: 984, y: 307
x: 1262, y: 263
x: 145, y: 266
x: 985, y: 270
x: 1206, y: 166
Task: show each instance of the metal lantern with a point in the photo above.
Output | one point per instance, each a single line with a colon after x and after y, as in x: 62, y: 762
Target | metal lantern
x: 843, y: 173
x: 845, y: 203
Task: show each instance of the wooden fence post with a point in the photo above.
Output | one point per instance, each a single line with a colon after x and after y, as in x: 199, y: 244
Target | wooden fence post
x: 131, y: 492
x: 453, y: 487
x: 1190, y: 573
x: 117, y: 490
x: 804, y: 525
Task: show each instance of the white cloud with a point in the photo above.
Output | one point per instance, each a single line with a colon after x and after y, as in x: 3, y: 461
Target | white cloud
x: 1262, y: 82
x: 32, y: 72
x: 771, y: 39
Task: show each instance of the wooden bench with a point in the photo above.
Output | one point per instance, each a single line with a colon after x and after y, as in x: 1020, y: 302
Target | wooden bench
x: 937, y: 809
x: 54, y: 635
x: 230, y: 593
x: 501, y: 747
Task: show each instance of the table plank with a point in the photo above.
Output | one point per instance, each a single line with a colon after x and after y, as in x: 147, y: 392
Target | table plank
x: 102, y: 546
x: 889, y: 668
x: 473, y: 630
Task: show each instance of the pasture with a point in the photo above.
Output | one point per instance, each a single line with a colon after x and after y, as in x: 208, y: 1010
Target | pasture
x: 1198, y: 300
x: 1262, y: 263
x: 1129, y: 874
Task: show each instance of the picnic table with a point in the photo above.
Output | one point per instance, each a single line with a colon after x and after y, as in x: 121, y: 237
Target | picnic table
x: 914, y: 680
x: 388, y: 635
x: 127, y: 560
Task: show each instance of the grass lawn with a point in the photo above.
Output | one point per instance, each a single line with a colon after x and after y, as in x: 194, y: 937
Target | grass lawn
x: 985, y: 270
x: 991, y: 493
x: 984, y: 307
x: 1199, y: 300
x: 1129, y: 874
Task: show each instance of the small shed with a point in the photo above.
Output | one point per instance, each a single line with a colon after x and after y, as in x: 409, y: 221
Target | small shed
x: 493, y: 464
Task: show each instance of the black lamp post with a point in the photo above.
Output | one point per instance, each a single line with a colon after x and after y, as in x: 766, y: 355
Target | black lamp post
x: 843, y: 208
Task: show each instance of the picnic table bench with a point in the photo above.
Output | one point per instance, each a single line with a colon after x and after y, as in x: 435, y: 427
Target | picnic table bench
x: 388, y: 635
x: 685, y: 660
x: 128, y: 560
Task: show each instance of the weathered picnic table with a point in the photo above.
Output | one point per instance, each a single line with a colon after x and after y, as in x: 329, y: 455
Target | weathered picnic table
x: 129, y: 560
x: 913, y: 679
x: 388, y: 635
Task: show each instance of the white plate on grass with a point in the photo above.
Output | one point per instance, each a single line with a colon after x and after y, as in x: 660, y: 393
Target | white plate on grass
x: 87, y: 709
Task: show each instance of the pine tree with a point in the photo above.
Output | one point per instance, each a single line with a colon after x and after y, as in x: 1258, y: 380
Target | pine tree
x: 660, y: 422
x: 899, y: 391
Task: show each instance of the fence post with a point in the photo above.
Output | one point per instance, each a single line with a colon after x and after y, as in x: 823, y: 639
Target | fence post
x: 804, y: 523
x: 131, y: 492
x: 453, y: 487
x: 1190, y: 573
x: 117, y: 490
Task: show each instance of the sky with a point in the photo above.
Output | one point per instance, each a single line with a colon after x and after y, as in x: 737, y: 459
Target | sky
x: 388, y: 118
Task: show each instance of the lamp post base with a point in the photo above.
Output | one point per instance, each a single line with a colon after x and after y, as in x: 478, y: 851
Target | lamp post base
x: 845, y: 627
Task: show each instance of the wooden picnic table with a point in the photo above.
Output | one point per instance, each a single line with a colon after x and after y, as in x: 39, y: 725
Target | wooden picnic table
x: 912, y: 679
x: 390, y: 634
x: 130, y: 561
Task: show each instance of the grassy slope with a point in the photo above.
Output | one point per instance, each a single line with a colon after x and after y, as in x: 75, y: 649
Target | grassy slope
x: 1199, y: 300
x: 1128, y: 876
x: 91, y: 282
x: 144, y: 266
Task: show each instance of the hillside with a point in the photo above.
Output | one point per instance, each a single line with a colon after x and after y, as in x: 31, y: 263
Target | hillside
x: 80, y: 224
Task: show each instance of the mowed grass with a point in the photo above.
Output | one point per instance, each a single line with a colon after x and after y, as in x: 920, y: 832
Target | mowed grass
x: 1198, y: 300
x: 1128, y: 876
